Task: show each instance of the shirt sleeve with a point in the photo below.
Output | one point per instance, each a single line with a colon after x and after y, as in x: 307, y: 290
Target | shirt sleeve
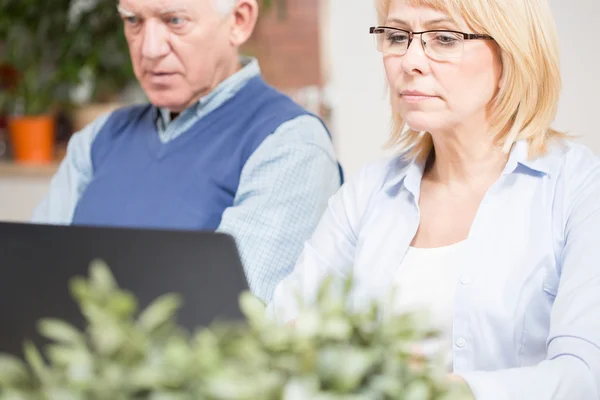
x: 73, y: 175
x: 283, y: 192
x: 572, y: 367
x: 330, y: 252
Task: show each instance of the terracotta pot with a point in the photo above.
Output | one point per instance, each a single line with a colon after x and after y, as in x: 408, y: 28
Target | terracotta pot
x: 32, y: 138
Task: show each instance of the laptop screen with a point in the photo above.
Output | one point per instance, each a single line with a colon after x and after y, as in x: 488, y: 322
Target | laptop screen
x: 38, y: 261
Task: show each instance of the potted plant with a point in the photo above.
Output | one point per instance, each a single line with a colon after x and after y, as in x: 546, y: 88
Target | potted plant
x: 102, y: 59
x: 330, y: 354
x: 55, y: 46
x: 36, y: 43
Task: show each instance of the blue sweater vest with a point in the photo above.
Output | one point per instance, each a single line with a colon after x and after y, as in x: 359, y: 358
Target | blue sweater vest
x: 188, y: 182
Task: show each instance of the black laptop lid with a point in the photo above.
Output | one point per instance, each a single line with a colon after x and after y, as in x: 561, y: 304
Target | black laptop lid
x: 38, y: 261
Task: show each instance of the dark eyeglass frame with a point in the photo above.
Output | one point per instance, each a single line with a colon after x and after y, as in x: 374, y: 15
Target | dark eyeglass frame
x: 375, y: 30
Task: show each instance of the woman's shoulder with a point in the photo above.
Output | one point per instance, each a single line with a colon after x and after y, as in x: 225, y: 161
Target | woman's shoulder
x: 576, y: 171
x: 570, y: 159
x: 578, y: 153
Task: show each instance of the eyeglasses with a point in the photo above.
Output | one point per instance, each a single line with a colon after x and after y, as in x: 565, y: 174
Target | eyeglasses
x: 440, y: 45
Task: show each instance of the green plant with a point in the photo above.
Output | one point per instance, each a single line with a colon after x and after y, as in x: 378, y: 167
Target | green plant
x: 100, y: 49
x: 330, y: 354
x: 51, y: 43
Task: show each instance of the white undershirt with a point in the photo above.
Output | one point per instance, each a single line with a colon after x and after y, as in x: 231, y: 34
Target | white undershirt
x: 426, y: 281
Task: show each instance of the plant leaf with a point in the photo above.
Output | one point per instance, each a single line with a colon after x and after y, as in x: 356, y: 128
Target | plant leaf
x: 122, y: 305
x: 159, y: 312
x: 60, y: 331
x: 253, y: 308
x: 101, y: 279
x: 36, y: 362
x: 13, y: 371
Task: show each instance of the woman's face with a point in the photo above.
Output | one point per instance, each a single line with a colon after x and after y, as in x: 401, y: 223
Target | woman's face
x: 437, y: 94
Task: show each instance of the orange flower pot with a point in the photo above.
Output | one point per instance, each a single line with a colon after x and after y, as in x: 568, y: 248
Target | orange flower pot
x: 32, y: 139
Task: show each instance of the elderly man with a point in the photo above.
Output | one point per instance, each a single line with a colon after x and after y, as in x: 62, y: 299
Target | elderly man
x: 216, y: 148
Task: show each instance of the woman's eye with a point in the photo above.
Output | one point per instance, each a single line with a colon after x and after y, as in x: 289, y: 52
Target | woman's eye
x: 447, y: 39
x: 397, y: 38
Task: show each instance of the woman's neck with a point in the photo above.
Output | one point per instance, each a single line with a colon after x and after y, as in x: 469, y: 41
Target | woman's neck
x: 466, y: 159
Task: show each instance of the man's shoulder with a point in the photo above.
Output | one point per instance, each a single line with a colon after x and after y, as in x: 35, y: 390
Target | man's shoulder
x: 271, y: 97
x: 267, y: 111
x: 114, y: 122
x: 306, y: 128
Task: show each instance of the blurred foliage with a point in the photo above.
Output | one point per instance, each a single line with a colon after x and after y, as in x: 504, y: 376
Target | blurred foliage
x: 330, y: 353
x: 50, y: 42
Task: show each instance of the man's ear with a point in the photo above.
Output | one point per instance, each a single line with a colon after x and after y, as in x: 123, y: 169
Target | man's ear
x: 245, y: 15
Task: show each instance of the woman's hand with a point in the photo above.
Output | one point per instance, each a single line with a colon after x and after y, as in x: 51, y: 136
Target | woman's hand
x: 291, y: 324
x: 460, y: 384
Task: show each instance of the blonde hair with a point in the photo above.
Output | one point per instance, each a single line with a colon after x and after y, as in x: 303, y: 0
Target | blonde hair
x: 527, y: 101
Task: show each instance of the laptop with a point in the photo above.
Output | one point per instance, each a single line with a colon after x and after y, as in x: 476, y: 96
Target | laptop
x: 38, y: 261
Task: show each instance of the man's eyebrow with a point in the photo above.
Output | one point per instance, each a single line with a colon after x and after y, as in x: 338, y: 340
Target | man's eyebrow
x: 124, y: 12
x: 173, y: 10
x: 166, y: 11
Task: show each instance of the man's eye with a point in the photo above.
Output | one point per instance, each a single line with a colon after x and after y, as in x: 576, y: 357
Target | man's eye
x: 132, y: 20
x: 175, y: 22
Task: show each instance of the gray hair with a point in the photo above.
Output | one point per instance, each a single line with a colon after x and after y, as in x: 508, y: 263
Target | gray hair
x: 224, y: 6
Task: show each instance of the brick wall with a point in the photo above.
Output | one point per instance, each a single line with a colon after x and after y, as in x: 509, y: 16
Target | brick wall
x: 288, y: 47
x: 288, y: 51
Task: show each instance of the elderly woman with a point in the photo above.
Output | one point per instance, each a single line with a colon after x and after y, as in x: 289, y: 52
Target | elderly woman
x: 487, y: 216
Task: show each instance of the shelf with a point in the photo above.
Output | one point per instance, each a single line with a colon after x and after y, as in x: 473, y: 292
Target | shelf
x: 9, y: 169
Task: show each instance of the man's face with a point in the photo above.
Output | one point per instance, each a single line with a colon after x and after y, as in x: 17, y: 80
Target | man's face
x: 180, y: 49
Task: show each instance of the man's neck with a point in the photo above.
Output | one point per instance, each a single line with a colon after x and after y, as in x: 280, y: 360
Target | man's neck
x: 219, y: 78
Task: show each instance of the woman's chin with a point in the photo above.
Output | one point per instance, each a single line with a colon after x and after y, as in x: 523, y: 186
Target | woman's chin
x: 419, y: 126
x: 419, y: 120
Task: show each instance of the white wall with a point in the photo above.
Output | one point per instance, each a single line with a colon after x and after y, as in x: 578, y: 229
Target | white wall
x: 19, y: 195
x: 355, y: 82
x: 360, y: 119
x: 579, y: 108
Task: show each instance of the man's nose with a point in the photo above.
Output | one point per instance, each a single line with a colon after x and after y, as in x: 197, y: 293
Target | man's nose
x: 155, y: 40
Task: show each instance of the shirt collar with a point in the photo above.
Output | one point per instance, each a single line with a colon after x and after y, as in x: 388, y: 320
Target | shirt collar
x: 224, y: 90
x: 519, y: 156
x: 410, y: 171
x: 405, y: 170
